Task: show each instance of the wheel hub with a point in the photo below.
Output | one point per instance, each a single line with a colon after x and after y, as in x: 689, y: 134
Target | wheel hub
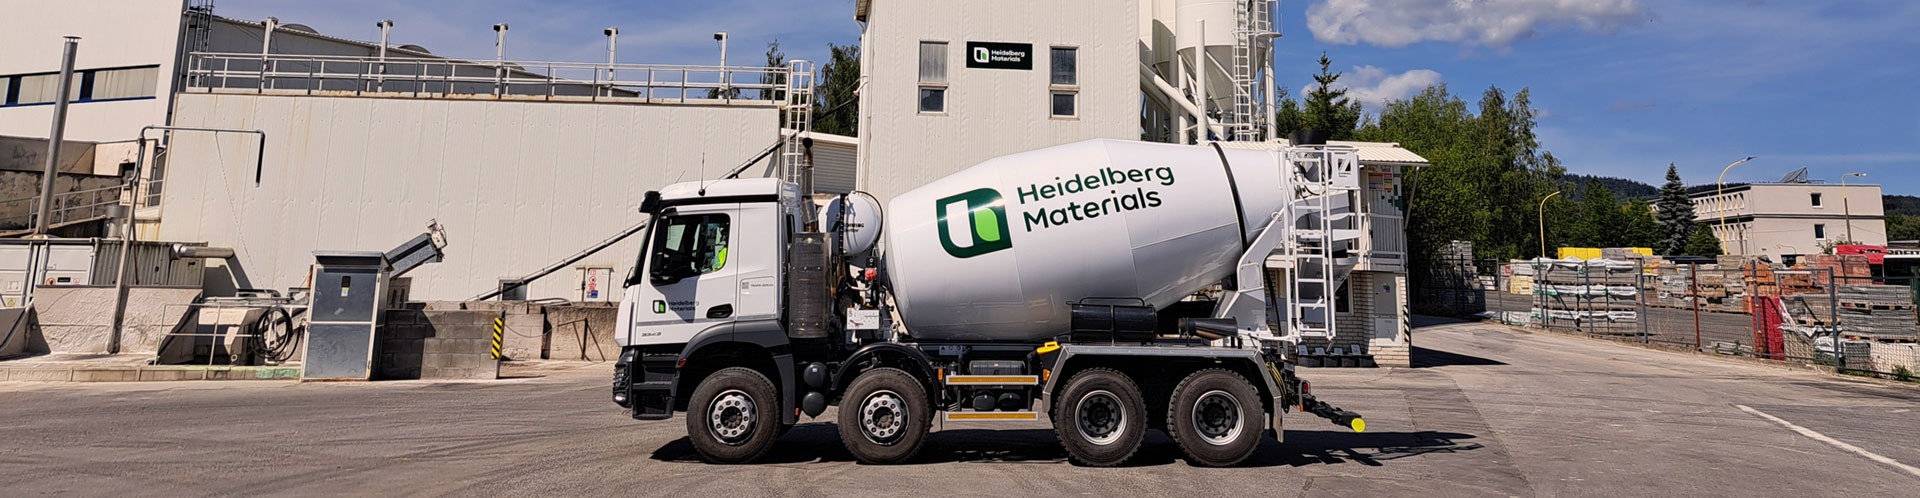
x: 883, y: 417
x: 1217, y: 417
x: 1101, y: 421
x: 731, y: 417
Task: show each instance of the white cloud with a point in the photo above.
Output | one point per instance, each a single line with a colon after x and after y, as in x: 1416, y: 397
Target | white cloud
x: 1491, y: 23
x: 1373, y: 87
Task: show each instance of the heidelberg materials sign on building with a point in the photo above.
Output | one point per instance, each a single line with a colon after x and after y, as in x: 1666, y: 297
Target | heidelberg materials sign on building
x: 992, y: 55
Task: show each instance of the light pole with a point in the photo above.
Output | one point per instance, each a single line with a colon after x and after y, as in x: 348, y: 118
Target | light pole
x: 1543, y: 222
x: 1847, y: 208
x: 725, y: 78
x: 613, y: 42
x: 1720, y: 188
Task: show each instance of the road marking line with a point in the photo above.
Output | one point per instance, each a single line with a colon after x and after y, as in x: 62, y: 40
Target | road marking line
x: 1835, y: 442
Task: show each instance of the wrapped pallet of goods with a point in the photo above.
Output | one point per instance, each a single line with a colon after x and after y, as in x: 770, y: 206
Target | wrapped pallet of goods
x: 1877, y: 312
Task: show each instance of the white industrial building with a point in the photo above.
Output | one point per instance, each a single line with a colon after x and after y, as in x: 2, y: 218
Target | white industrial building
x: 525, y: 163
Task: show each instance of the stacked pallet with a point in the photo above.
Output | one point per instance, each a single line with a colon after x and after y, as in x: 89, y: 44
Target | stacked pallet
x: 1809, y: 310
x: 1595, y: 296
x: 1876, y: 312
x: 1847, y: 268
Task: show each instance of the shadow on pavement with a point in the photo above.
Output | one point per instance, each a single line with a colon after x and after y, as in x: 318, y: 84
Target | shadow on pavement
x: 1424, y: 358
x: 820, y: 443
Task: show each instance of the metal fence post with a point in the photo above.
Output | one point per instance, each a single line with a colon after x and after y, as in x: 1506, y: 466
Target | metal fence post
x: 1693, y: 291
x: 1833, y: 323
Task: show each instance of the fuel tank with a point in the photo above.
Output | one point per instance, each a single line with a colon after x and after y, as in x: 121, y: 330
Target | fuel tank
x: 996, y: 252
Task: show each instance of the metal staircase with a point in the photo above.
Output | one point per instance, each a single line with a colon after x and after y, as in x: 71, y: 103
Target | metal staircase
x: 1320, y: 223
x: 798, y: 122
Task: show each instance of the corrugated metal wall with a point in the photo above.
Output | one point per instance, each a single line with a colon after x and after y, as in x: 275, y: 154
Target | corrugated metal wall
x: 833, y: 167
x: 518, y: 185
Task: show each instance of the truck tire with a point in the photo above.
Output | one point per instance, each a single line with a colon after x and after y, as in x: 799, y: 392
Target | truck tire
x: 1216, y: 417
x: 1100, y: 417
x: 734, y: 416
x: 884, y: 416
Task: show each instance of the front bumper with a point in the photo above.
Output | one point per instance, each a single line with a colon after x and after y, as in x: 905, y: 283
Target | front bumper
x: 644, y: 382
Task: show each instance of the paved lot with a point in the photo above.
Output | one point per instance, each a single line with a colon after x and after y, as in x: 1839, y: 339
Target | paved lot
x: 1495, y: 411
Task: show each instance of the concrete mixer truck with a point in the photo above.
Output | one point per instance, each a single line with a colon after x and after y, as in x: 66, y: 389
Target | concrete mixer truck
x: 1059, y: 285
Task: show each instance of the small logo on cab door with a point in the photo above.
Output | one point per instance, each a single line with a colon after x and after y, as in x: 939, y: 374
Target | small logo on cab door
x: 659, y: 306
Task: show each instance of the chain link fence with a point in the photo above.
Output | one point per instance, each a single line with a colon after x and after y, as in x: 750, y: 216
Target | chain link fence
x: 1830, y: 314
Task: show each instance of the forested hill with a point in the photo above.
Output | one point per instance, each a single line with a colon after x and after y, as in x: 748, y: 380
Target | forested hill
x: 1622, y: 188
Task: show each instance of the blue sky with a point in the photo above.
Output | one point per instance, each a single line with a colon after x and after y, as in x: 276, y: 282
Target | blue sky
x: 1624, y: 86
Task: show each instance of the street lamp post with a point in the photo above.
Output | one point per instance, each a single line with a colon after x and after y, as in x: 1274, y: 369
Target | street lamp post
x: 1720, y: 188
x: 1847, y: 208
x: 1543, y: 222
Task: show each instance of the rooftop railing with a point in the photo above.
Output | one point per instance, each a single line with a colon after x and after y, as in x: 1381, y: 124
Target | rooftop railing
x: 455, y: 78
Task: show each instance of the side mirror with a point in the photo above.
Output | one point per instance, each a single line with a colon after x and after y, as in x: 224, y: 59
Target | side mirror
x: 651, y: 203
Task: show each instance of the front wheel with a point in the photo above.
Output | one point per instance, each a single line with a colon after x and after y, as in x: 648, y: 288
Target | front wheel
x: 884, y: 416
x: 1216, y: 418
x: 734, y: 416
x: 1100, y: 417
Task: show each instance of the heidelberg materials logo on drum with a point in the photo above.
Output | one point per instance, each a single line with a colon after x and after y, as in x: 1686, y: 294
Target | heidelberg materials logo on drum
x: 973, y: 223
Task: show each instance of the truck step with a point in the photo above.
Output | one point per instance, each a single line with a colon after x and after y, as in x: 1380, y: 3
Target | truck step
x: 992, y: 416
x: 992, y: 380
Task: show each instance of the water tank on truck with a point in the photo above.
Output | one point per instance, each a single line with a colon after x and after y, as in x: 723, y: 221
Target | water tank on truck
x: 997, y: 251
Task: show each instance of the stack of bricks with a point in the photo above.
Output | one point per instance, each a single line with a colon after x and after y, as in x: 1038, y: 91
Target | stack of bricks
x: 1846, y: 268
x: 1884, y: 312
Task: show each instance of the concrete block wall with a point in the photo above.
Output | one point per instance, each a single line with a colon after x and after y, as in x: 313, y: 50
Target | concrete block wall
x: 438, y: 344
x: 571, y: 331
x: 80, y: 319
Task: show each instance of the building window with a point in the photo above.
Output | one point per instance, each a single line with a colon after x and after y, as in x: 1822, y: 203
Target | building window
x: 1063, y: 104
x: 1063, y: 82
x: 933, y: 77
x: 89, y: 85
x: 1816, y: 199
x: 1819, y: 231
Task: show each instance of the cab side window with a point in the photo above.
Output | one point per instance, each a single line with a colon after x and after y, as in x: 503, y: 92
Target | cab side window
x: 688, y: 246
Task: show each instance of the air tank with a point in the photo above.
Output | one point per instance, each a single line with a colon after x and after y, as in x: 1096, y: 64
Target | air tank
x: 997, y: 251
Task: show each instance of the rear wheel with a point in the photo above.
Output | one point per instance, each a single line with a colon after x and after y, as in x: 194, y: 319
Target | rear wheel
x: 1216, y: 417
x: 884, y: 416
x: 1100, y: 417
x: 734, y: 416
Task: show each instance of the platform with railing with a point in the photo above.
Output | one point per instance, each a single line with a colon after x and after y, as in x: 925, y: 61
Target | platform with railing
x: 281, y: 74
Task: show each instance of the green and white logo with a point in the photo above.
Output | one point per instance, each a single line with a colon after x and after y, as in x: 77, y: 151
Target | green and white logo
x: 982, y: 55
x: 973, y: 223
x: 659, y: 306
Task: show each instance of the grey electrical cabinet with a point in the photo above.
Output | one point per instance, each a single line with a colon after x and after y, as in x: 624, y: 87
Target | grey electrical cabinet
x: 349, y: 291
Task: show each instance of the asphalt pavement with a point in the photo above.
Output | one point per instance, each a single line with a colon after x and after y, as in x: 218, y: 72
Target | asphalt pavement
x: 1490, y: 411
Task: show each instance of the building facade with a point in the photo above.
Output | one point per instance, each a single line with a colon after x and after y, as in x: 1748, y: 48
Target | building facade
x: 1788, y: 220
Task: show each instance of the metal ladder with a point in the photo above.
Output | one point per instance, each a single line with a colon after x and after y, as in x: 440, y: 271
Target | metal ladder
x: 1318, y: 175
x: 798, y: 111
x: 1240, y: 120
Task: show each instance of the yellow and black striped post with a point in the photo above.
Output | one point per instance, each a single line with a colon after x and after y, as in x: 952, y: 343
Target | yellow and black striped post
x: 498, y: 327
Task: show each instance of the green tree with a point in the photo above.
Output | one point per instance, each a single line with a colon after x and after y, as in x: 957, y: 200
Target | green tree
x: 1327, y: 106
x: 776, y: 74
x: 1674, y: 212
x: 1903, y: 227
x: 1286, y: 117
x: 1642, y: 229
x: 1603, y: 222
x: 836, y: 106
x: 1702, y: 243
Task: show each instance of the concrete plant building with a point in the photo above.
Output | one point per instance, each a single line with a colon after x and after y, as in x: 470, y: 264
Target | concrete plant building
x: 947, y: 85
x: 1787, y: 220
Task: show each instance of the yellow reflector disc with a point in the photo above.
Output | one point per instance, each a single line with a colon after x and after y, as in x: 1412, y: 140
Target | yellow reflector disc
x: 1359, y: 425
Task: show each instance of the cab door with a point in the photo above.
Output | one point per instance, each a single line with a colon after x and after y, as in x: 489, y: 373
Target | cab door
x: 691, y: 278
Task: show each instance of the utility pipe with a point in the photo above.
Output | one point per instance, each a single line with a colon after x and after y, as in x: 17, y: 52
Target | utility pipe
x: 613, y: 44
x: 44, y: 220
x: 266, y: 47
x: 127, y: 234
x: 499, y: 58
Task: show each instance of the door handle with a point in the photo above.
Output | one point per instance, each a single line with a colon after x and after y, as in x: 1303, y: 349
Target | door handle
x: 721, y: 311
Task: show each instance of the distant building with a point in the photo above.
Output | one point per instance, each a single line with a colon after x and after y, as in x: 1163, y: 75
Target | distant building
x: 1788, y: 220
